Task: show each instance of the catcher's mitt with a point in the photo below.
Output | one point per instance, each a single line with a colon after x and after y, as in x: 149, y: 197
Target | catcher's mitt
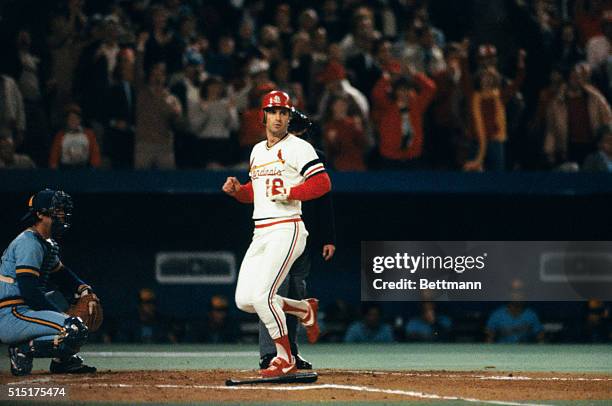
x: 88, y: 308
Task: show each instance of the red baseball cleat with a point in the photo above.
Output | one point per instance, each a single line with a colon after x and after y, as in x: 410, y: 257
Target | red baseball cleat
x: 310, y: 321
x: 279, y: 367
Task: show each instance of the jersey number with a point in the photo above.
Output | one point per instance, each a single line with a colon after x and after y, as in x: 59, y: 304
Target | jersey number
x: 272, y: 186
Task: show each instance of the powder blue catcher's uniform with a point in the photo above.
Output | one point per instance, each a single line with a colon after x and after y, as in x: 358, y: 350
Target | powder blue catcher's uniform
x: 30, y: 324
x: 28, y: 254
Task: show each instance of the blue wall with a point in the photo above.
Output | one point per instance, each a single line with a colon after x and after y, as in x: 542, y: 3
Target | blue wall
x: 122, y: 219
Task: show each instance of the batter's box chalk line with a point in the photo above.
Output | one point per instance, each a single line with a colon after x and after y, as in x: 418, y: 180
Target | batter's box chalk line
x: 480, y: 377
x: 354, y: 388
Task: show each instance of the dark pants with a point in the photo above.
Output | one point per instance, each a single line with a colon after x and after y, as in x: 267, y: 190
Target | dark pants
x: 294, y: 287
x: 120, y: 148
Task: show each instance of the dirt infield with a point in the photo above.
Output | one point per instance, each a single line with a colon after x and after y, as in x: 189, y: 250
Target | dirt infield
x: 333, y: 385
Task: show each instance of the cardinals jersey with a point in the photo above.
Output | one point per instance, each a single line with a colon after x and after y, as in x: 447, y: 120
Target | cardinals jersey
x: 287, y: 163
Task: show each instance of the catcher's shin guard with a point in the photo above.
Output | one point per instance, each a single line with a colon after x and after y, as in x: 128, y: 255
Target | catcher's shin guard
x: 63, y: 345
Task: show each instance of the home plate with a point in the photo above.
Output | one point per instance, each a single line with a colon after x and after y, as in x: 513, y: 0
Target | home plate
x: 300, y: 377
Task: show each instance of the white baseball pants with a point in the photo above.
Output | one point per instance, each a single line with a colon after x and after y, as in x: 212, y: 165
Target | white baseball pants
x: 275, y: 246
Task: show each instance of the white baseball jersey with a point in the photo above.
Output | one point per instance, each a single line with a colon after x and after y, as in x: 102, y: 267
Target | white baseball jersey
x: 287, y: 163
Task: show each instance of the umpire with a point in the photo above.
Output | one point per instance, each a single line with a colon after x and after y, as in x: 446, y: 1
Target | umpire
x: 318, y: 215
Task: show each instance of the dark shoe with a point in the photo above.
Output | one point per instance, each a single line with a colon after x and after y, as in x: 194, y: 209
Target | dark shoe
x: 21, y: 361
x: 301, y: 363
x: 72, y: 365
x: 264, y: 362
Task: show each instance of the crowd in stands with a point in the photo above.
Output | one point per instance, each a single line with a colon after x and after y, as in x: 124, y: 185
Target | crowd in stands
x: 469, y: 85
x: 508, y: 323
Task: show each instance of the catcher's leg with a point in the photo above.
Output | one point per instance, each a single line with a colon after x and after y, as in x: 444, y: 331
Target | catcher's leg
x: 45, y: 334
x: 21, y: 327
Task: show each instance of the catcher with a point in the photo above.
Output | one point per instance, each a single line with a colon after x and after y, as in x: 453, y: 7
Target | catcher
x: 31, y: 324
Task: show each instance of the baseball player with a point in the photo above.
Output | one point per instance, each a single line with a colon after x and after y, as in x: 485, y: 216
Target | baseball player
x: 30, y: 324
x: 284, y: 171
x: 318, y: 215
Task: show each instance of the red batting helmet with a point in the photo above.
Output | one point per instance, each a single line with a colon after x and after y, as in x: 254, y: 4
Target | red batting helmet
x: 276, y: 98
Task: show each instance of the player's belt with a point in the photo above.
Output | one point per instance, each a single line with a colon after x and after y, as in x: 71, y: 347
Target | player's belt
x: 274, y: 221
x: 11, y: 301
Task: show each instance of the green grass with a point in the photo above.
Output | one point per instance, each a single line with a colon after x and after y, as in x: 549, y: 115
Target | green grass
x: 456, y: 357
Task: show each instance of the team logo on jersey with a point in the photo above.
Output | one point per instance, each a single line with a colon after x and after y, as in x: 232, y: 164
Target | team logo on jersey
x: 280, y: 156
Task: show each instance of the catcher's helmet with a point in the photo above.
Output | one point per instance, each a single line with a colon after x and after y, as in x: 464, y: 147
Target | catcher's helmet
x: 53, y: 203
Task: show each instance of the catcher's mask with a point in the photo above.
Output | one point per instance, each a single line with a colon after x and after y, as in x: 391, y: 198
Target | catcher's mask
x: 55, y: 204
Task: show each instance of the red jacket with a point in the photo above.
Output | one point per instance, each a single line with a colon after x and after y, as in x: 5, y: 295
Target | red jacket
x: 387, y: 117
x: 92, y: 155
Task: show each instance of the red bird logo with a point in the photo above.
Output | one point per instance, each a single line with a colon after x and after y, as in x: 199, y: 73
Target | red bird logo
x: 280, y: 156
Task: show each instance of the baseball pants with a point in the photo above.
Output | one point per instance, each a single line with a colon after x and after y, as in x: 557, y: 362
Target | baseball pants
x: 265, y: 266
x: 20, y: 324
x: 294, y: 287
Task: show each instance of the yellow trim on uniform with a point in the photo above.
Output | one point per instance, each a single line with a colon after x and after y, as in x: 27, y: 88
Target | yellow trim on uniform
x: 11, y: 302
x: 26, y: 270
x: 37, y: 321
x: 7, y: 279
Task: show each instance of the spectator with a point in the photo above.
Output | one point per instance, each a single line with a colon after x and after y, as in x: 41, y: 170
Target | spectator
x: 429, y: 325
x: 400, y: 109
x: 157, y: 114
x: 270, y: 46
x: 12, y: 111
x: 96, y: 69
x: 74, y: 146
x: 587, y: 18
x: 513, y: 323
x: 214, y: 119
x: 222, y: 61
x: 598, y: 47
x: 331, y: 20
x: 336, y: 83
x: 150, y: 326
x: 121, y: 105
x: 573, y: 118
x: 65, y: 42
x: 362, y: 35
x: 186, y: 87
x: 344, y: 138
x: 567, y: 51
x: 488, y: 112
x: 8, y: 158
x: 371, y: 329
x: 158, y: 43
x: 258, y: 75
x: 337, y: 317
x: 252, y: 129
x: 408, y: 46
x: 596, y: 326
x: 426, y: 57
x: 448, y: 144
x: 37, y: 137
x: 362, y: 67
x: 282, y: 21
x: 184, y: 38
x: 601, y: 161
x: 219, y: 327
